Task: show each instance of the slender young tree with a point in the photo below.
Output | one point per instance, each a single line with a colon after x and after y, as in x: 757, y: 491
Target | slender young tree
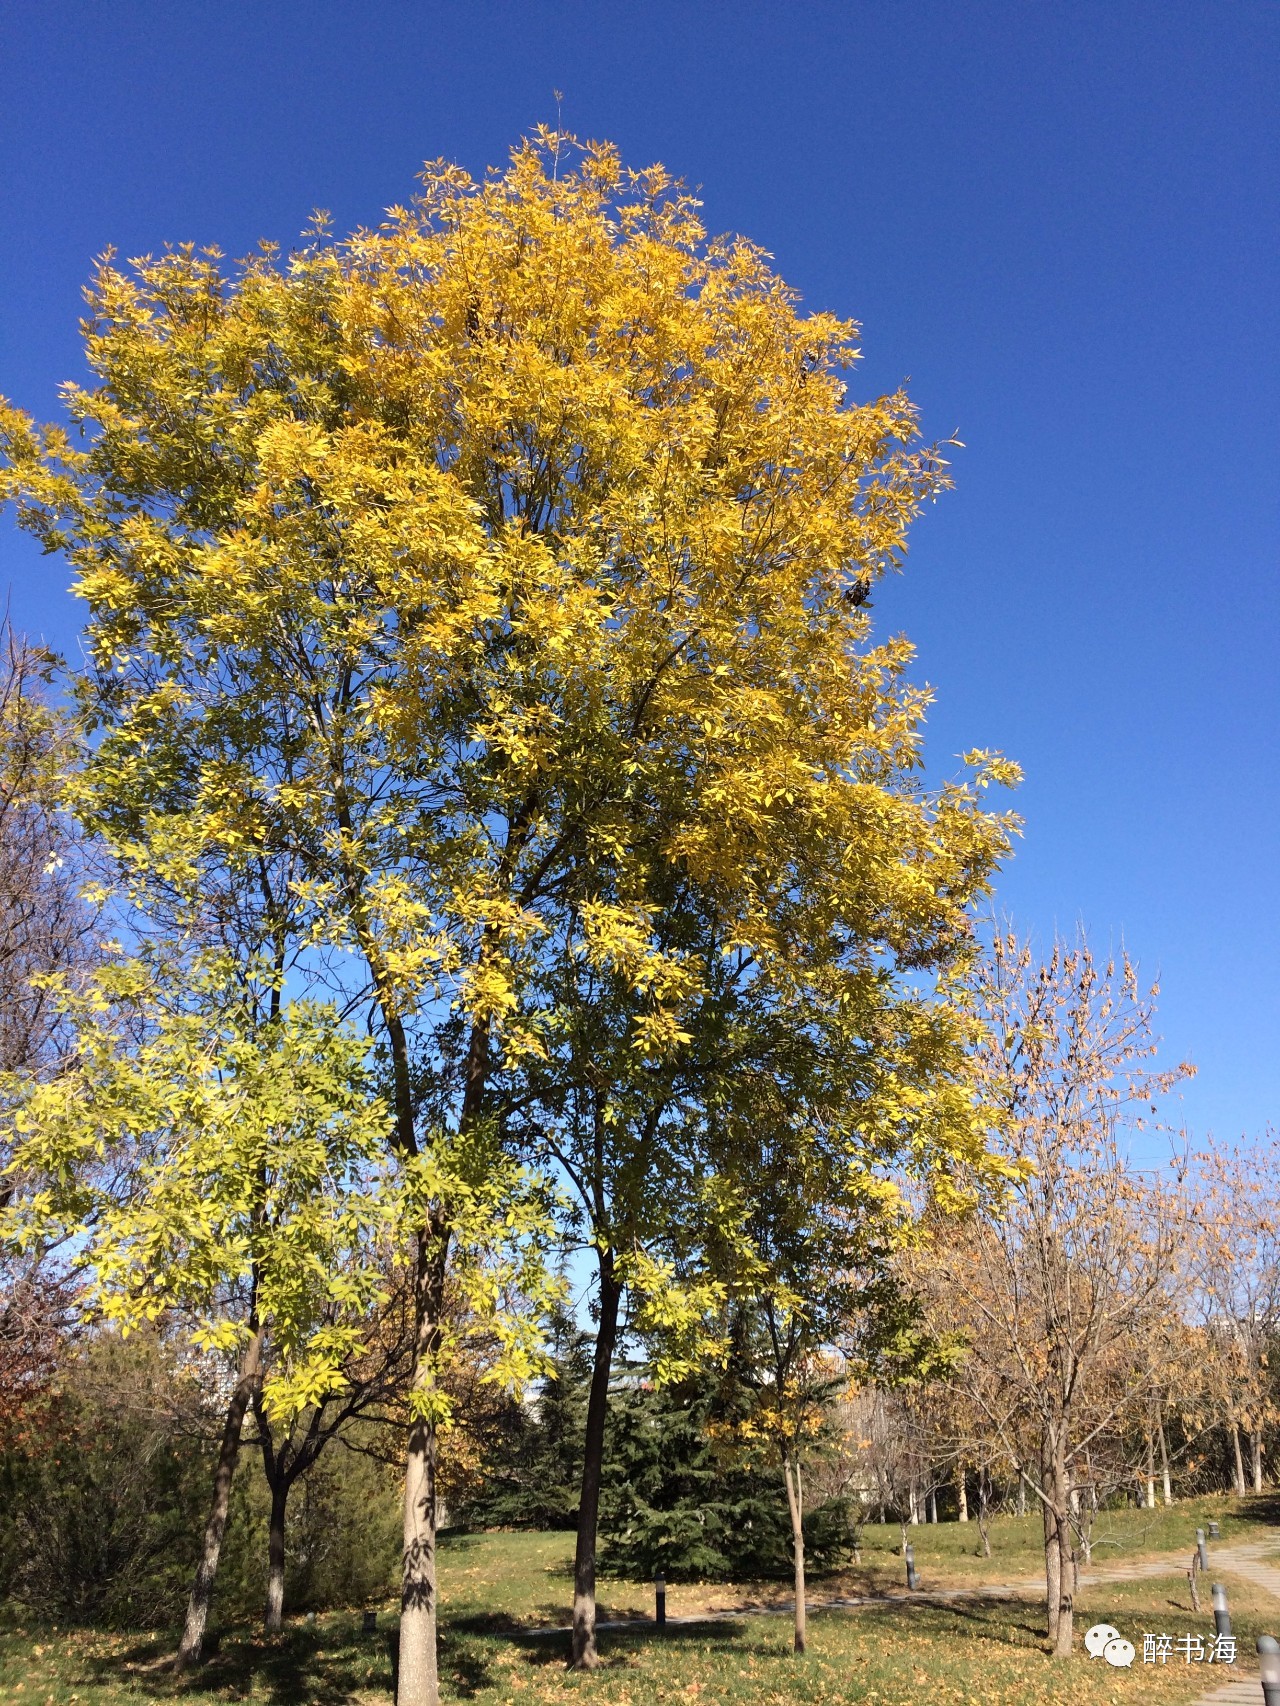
x: 1234, y: 1296
x: 1058, y: 1294
x: 821, y: 1308
x: 795, y: 1377
x: 369, y: 1382
x: 205, y: 1163
x: 366, y: 1407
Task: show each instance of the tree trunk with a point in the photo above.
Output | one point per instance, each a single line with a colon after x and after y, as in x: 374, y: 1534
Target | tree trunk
x: 583, y: 1654
x: 795, y: 1504
x: 984, y: 1493
x: 1084, y: 1510
x: 1066, y: 1589
x: 228, y: 1454
x: 1237, y: 1460
x: 931, y: 1504
x: 1052, y: 1571
x: 1022, y: 1496
x: 913, y: 1502
x: 1066, y: 1554
x: 1255, y: 1444
x: 273, y: 1619
x: 1151, y: 1472
x: 1164, y: 1463
x: 962, y: 1496
x: 418, y: 1680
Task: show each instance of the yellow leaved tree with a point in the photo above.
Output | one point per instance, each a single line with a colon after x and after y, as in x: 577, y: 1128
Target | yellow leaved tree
x: 487, y: 594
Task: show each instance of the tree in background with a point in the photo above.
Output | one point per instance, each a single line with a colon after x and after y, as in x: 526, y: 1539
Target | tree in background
x: 344, y: 1532
x: 100, y: 1497
x: 1234, y: 1288
x: 1175, y: 1381
x: 825, y: 1220
x: 44, y: 925
x: 45, y: 932
x: 683, y: 1495
x: 39, y: 1315
x: 1058, y: 1297
x: 532, y: 1470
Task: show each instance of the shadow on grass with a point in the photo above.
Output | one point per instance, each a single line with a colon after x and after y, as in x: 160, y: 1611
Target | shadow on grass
x: 491, y: 1625
x: 462, y: 1540
x: 544, y: 1649
x: 464, y: 1661
x: 982, y: 1619
x: 326, y: 1665
x: 304, y: 1667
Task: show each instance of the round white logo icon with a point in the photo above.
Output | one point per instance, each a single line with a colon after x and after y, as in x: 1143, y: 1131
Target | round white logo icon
x: 1118, y: 1652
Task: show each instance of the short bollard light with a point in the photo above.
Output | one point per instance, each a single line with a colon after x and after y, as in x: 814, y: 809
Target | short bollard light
x: 1214, y: 1531
x: 660, y: 1601
x: 911, y: 1567
x: 369, y: 1623
x: 1269, y: 1665
x: 1202, y: 1549
x: 1221, y: 1616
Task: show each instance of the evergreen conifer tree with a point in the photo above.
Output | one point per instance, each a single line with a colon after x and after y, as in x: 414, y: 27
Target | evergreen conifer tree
x: 534, y: 1477
x: 681, y: 1499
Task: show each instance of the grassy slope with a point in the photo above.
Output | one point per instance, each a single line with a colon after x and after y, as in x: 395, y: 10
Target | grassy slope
x: 492, y: 1585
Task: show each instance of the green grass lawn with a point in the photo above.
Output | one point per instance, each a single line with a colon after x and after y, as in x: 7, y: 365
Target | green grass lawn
x: 498, y: 1589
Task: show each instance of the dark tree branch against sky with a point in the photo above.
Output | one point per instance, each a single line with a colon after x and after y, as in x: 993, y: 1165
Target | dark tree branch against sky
x: 1057, y: 221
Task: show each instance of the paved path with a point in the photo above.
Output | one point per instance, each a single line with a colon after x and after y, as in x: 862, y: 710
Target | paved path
x: 1255, y: 1563
x: 1251, y: 1563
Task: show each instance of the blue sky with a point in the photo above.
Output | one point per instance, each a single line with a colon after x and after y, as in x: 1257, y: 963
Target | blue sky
x: 1056, y: 221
